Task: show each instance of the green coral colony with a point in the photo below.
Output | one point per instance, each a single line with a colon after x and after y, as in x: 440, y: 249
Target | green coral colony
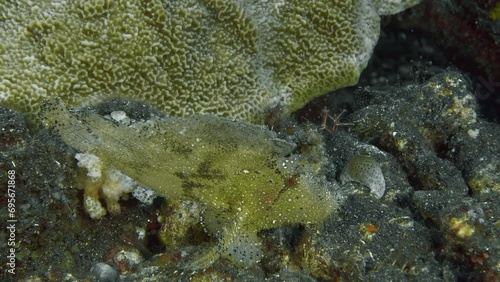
x: 238, y: 172
x: 228, y: 58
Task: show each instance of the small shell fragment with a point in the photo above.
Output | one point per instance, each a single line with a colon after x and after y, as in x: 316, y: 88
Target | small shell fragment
x: 364, y: 169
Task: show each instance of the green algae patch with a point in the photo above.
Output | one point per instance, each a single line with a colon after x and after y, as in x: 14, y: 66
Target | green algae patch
x: 239, y: 173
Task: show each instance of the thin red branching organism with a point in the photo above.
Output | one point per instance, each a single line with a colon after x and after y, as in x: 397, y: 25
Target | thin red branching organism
x: 335, y: 121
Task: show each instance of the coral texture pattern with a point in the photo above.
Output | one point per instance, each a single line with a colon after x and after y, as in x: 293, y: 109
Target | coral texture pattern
x: 229, y: 58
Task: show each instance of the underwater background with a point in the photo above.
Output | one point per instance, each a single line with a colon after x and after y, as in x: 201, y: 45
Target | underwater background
x: 394, y: 176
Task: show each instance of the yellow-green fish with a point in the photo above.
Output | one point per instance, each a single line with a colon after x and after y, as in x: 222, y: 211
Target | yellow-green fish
x: 245, y: 177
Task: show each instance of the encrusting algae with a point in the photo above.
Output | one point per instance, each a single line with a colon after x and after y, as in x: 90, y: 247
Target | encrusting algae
x: 238, y: 172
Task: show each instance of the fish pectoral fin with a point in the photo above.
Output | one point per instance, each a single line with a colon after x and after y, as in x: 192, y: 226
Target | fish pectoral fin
x: 205, y: 260
x: 242, y: 249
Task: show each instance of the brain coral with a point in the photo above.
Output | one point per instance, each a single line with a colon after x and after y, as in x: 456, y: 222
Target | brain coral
x: 230, y: 58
